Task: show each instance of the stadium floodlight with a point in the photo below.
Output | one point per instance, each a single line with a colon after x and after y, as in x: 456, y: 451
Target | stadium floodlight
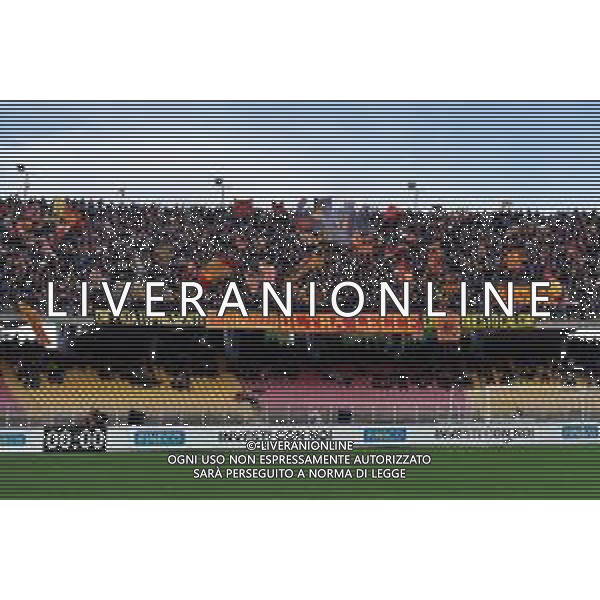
x: 412, y: 185
x: 23, y: 169
x: 221, y: 182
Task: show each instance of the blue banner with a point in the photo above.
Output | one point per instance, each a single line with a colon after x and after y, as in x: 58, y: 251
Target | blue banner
x: 384, y: 435
x: 581, y: 431
x: 159, y: 437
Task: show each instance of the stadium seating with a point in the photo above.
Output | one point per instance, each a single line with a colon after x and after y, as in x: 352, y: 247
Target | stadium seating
x: 84, y: 393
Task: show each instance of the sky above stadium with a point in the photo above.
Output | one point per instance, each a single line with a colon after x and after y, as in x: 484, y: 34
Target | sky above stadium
x: 540, y: 155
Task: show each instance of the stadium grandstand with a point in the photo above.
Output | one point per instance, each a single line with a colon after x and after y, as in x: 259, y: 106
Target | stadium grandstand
x: 203, y: 371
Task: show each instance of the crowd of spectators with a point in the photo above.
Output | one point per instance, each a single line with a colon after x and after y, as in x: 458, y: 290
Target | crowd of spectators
x: 321, y: 240
x: 325, y: 241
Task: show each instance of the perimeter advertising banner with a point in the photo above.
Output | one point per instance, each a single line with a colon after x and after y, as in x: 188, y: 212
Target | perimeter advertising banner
x: 337, y: 310
x: 412, y: 325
